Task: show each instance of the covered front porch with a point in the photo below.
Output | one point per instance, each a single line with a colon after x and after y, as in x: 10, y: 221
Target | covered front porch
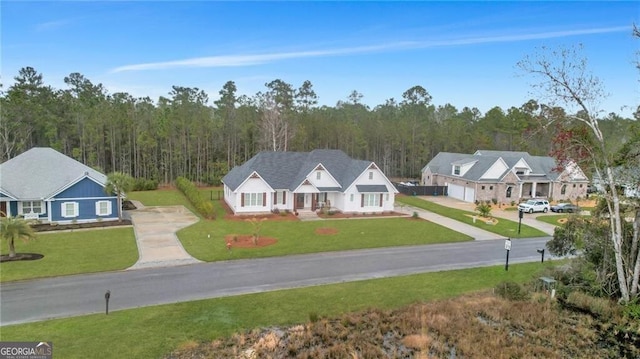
x: 535, y: 189
x: 313, y: 201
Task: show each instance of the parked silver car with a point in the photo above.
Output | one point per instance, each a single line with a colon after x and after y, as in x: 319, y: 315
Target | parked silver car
x: 565, y: 207
x: 534, y: 205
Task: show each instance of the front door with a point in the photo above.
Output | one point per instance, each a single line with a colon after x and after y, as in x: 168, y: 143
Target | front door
x: 299, y: 200
x: 3, y: 209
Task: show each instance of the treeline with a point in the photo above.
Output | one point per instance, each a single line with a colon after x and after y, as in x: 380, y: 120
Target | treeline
x: 184, y: 134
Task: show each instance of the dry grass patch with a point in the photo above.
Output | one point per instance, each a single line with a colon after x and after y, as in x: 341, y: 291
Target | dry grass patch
x: 326, y: 230
x: 478, y: 325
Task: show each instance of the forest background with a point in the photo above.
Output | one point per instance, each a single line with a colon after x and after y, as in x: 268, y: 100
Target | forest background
x: 185, y: 134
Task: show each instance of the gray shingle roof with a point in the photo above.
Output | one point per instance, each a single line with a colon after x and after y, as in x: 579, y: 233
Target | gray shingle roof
x: 376, y: 188
x: 287, y: 170
x: 539, y: 165
x: 41, y: 172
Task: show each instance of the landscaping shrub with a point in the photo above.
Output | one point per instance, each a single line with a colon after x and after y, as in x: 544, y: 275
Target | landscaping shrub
x: 202, y: 205
x: 143, y: 184
x: 511, y: 291
x: 484, y: 209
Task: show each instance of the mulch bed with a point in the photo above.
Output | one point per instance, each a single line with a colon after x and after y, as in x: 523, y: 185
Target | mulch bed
x: 283, y: 216
x: 47, y: 227
x: 360, y: 215
x: 246, y: 241
x: 21, y: 257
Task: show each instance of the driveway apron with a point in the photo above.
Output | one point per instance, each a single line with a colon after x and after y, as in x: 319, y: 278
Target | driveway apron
x: 155, y: 230
x: 475, y: 232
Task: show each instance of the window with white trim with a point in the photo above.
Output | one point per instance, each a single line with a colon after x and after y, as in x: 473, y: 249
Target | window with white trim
x: 370, y: 175
x: 103, y: 208
x: 69, y: 209
x: 280, y: 197
x: 351, y: 197
x: 456, y: 170
x: 35, y: 207
x: 253, y: 199
x: 318, y: 175
x: 371, y: 200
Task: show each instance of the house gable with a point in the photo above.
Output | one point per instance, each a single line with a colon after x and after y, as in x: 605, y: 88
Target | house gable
x: 496, y: 170
x: 84, y: 187
x: 372, y: 180
x: 322, y: 178
x: 254, y: 183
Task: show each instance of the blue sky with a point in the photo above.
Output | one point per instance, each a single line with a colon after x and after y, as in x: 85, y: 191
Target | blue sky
x: 463, y: 53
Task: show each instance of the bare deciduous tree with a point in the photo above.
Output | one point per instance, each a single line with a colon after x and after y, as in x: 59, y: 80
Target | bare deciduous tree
x: 564, y: 80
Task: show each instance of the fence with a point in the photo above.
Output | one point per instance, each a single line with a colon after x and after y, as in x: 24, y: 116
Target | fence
x: 421, y: 190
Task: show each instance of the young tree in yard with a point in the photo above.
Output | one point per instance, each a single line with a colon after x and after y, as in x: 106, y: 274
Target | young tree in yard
x: 119, y: 183
x: 14, y: 228
x: 566, y: 81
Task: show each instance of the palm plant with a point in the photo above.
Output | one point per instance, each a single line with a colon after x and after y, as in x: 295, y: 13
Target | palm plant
x: 13, y: 228
x: 119, y: 183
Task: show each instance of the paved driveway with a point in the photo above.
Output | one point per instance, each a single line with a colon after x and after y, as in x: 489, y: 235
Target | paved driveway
x: 155, y: 229
x: 529, y: 219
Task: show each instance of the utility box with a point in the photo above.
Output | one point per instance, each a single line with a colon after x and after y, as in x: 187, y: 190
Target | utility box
x: 548, y: 285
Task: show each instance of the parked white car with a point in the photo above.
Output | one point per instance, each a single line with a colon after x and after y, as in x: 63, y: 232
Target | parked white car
x: 534, y: 205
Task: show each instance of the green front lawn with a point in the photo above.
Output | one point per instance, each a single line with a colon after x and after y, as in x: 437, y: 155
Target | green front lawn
x: 205, y: 240
x: 504, y: 227
x: 554, y: 218
x: 65, y: 253
x: 153, y: 332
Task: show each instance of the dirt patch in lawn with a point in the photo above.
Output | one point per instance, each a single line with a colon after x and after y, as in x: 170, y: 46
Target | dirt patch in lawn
x: 246, y: 241
x: 21, y: 257
x: 326, y: 230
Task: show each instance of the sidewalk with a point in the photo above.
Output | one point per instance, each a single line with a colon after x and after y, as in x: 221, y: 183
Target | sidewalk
x: 155, y: 230
x: 529, y: 218
x: 477, y: 233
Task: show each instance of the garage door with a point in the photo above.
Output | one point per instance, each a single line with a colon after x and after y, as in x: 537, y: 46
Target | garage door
x: 456, y: 191
x: 469, y: 194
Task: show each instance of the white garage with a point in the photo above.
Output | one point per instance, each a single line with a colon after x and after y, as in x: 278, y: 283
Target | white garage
x: 467, y: 194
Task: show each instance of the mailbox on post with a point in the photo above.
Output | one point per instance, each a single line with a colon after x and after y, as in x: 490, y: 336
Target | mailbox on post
x: 107, y: 295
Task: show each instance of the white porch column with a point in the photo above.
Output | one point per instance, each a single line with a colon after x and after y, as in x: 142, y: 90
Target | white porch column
x: 520, y: 190
x: 533, y: 189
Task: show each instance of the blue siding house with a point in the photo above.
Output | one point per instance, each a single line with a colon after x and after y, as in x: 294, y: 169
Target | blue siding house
x: 43, y: 184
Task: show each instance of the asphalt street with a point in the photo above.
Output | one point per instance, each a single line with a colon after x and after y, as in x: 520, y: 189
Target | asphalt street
x: 35, y: 300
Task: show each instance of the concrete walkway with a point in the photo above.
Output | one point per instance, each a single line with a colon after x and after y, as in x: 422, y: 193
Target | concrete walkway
x: 474, y: 232
x: 155, y: 230
x: 529, y: 218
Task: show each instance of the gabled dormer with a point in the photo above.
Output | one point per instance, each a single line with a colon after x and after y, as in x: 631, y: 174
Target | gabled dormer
x: 521, y: 168
x: 460, y: 167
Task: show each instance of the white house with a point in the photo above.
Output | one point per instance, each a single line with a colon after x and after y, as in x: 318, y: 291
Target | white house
x: 298, y: 181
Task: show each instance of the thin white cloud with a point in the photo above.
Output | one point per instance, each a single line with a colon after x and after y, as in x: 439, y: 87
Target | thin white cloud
x: 51, y: 25
x: 258, y: 59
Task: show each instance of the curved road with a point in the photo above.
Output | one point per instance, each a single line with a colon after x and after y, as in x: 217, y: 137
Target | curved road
x: 36, y: 300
